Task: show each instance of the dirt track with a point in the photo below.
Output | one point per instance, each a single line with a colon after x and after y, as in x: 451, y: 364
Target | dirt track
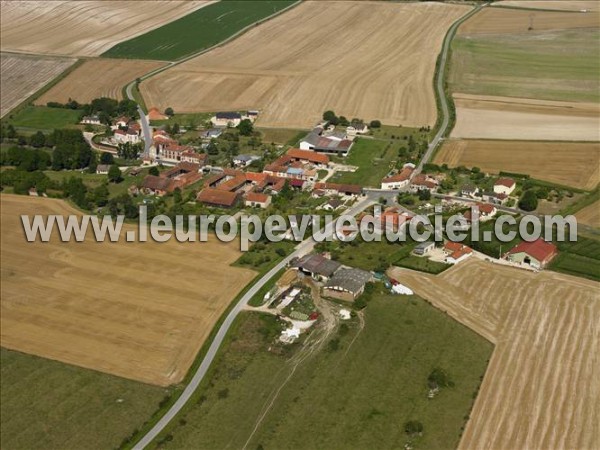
x: 542, y: 387
x: 361, y: 59
x: 489, y: 117
x: 98, y: 78
x: 137, y: 310
x: 82, y: 28
x: 569, y: 163
x: 566, y: 5
x: 23, y: 75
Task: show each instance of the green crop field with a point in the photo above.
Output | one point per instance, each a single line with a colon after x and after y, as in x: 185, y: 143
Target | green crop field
x: 47, y: 404
x: 581, y: 258
x: 356, y: 391
x: 550, y: 65
x: 44, y: 118
x: 198, y: 30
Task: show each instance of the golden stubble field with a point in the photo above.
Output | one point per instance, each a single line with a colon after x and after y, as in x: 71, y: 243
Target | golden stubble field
x: 491, y: 117
x: 102, y: 77
x: 23, y: 75
x: 568, y: 163
x: 561, y: 5
x: 137, y: 310
x: 362, y: 59
x: 590, y: 215
x: 82, y: 28
x: 542, y: 386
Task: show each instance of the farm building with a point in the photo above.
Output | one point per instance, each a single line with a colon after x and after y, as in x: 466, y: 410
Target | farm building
x: 257, y: 200
x: 155, y: 185
x: 316, y: 266
x: 226, y: 119
x: 537, y: 253
x: 218, y: 198
x: 213, y: 133
x: 244, y: 160
x: 347, y: 284
x: 397, y: 181
x: 332, y: 144
x: 332, y: 204
x: 91, y: 120
x: 357, y: 128
x: 504, y: 186
x: 424, y: 248
x: 334, y: 188
x: 456, y: 252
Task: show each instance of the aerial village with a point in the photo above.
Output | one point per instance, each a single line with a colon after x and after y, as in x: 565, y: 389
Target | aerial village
x: 274, y: 179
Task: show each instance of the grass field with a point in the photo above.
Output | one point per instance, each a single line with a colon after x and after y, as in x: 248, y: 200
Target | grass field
x: 373, y: 61
x: 566, y: 163
x: 355, y: 393
x: 550, y: 65
x: 138, y: 310
x: 97, y: 78
x: 281, y: 135
x: 581, y: 258
x: 196, y: 31
x: 373, y: 159
x: 85, y: 28
x: 44, y: 118
x: 21, y: 76
x: 48, y: 404
x: 545, y: 326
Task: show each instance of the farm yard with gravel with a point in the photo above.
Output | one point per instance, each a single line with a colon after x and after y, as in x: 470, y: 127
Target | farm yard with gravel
x: 102, y: 306
x: 83, y: 28
x: 97, y: 78
x: 369, y: 60
x: 542, y: 386
x: 567, y: 163
x: 21, y: 76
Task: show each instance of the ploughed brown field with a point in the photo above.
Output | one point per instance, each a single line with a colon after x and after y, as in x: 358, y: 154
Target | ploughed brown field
x: 516, y: 21
x: 490, y: 117
x: 590, y: 215
x: 542, y: 386
x: 567, y: 163
x: 96, y: 78
x: 23, y: 75
x: 82, y: 28
x: 362, y: 59
x: 137, y: 310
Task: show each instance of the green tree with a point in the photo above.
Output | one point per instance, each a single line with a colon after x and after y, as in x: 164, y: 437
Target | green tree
x: 169, y: 112
x: 107, y: 158
x: 114, y: 174
x: 528, y: 201
x: 375, y: 124
x: 37, y: 140
x: 100, y: 195
x: 330, y: 117
x: 424, y: 194
x: 154, y: 171
x: 246, y: 127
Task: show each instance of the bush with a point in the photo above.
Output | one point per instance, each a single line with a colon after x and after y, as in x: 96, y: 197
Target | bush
x: 413, y: 427
x: 375, y: 124
x: 529, y: 201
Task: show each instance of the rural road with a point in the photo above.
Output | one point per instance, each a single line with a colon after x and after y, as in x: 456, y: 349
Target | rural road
x: 303, y: 248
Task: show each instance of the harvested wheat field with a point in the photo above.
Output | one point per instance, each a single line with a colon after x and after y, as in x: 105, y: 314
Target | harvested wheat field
x: 542, y: 386
x: 590, y: 215
x: 361, y: 59
x: 489, y: 117
x: 560, y: 5
x: 136, y: 310
x: 567, y: 163
x: 98, y: 78
x: 518, y: 21
x: 23, y: 75
x: 82, y: 28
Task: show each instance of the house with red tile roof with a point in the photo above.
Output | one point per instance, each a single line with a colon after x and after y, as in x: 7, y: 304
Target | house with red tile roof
x: 536, y: 254
x: 486, y: 212
x: 504, y: 186
x: 257, y: 200
x: 397, y: 181
x: 456, y: 252
x: 155, y: 114
x: 218, y: 198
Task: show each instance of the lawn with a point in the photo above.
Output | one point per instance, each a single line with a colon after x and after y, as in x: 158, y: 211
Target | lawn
x: 93, y: 180
x: 551, y: 65
x: 281, y: 135
x: 44, y: 118
x: 47, y: 404
x: 357, y: 391
x: 373, y: 159
x: 197, y: 31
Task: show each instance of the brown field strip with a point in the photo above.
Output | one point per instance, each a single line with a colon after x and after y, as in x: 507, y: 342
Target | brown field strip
x: 514, y: 21
x: 542, y: 386
x: 567, y: 163
x: 21, y: 76
x: 559, y: 5
x: 362, y: 59
x: 590, y: 215
x: 98, y: 78
x: 137, y: 310
x: 489, y: 117
x: 82, y: 28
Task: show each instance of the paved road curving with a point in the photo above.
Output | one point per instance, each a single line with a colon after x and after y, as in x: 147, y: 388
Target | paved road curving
x: 303, y: 248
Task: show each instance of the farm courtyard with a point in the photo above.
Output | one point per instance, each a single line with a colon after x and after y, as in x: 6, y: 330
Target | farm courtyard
x: 101, y: 305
